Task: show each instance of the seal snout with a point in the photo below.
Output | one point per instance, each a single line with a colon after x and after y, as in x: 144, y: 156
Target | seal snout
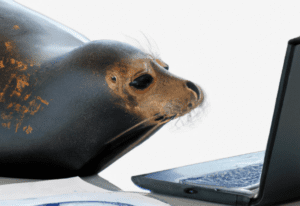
x: 194, y: 88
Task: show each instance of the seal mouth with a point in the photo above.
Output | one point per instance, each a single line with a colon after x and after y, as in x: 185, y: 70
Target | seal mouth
x: 164, y: 118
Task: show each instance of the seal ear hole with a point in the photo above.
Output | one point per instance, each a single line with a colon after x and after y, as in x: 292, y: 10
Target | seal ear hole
x: 142, y: 82
x: 114, y: 78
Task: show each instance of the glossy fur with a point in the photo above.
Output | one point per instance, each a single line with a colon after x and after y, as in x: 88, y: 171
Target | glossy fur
x: 72, y: 106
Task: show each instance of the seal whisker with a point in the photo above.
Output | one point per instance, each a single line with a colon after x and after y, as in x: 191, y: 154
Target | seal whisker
x: 136, y: 41
x: 131, y: 128
x: 140, y: 140
x: 149, y: 46
x: 177, y: 122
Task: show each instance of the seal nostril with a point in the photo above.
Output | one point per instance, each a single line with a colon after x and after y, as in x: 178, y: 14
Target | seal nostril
x: 193, y: 87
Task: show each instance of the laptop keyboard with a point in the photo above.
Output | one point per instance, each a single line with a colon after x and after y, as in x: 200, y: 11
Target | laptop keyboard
x: 244, y: 177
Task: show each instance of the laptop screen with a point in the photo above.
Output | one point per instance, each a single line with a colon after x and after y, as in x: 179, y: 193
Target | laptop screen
x: 281, y: 172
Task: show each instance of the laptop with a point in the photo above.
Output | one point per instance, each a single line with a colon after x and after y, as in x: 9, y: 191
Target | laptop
x: 262, y: 178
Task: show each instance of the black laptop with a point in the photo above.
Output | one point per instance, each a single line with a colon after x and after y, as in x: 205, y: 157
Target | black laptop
x: 268, y: 177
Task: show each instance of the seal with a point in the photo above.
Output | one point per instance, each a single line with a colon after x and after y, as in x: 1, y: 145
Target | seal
x: 73, y: 106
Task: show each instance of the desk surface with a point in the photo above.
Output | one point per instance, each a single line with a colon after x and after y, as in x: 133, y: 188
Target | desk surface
x: 104, y: 184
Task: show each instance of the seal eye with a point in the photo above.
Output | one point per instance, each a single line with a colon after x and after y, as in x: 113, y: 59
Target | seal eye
x: 114, y: 79
x: 142, y: 82
x: 166, y: 67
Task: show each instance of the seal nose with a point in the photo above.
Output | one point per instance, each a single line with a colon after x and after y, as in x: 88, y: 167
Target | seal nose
x: 193, y: 87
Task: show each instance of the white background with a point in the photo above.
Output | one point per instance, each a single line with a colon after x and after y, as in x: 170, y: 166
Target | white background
x: 233, y: 49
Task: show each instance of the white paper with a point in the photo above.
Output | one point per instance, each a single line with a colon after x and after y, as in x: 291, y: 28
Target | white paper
x: 90, y: 199
x: 46, y: 188
x: 69, y: 192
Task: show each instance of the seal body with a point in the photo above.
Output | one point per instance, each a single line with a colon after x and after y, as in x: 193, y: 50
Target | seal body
x: 72, y: 106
